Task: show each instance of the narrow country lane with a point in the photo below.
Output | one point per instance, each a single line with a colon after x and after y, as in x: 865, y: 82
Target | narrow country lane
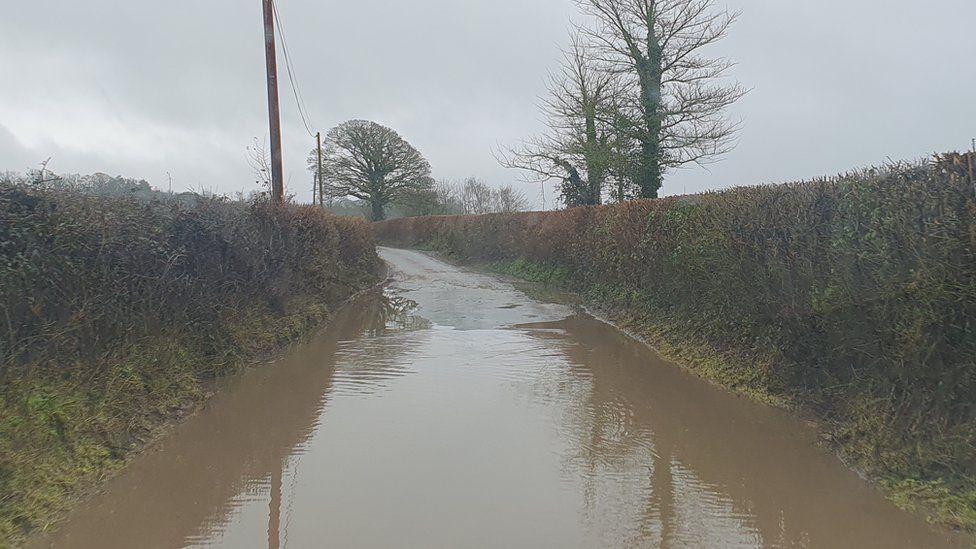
x: 452, y: 410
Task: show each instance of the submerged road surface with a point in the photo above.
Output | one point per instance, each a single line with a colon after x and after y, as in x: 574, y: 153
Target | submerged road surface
x: 452, y: 410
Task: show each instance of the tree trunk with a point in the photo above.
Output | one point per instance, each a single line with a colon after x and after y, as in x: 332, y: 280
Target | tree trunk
x: 377, y: 210
x: 594, y: 171
x: 649, y: 177
x: 651, y: 173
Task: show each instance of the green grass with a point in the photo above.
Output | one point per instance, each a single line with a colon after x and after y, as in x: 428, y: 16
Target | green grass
x: 851, y: 298
x: 954, y: 507
x: 119, y: 312
x: 748, y: 374
x: 61, y: 435
x: 535, y: 272
x: 623, y: 308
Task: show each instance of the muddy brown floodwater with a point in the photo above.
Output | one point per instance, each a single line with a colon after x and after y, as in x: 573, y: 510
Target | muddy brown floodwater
x: 452, y: 410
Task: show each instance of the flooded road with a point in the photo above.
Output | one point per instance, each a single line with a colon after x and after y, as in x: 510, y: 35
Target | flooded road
x: 453, y: 411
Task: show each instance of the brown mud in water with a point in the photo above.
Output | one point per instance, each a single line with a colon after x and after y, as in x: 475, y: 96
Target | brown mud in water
x: 454, y: 411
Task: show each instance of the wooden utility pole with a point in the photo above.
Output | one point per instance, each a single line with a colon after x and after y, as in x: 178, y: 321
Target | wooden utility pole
x: 274, y: 116
x: 318, y: 142
x: 317, y: 187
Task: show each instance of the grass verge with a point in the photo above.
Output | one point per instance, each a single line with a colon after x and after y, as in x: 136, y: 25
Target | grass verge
x: 64, y: 435
x: 676, y: 340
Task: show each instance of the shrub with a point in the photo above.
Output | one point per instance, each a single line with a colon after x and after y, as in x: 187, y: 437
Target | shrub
x: 114, y: 311
x: 82, y: 274
x: 854, y: 296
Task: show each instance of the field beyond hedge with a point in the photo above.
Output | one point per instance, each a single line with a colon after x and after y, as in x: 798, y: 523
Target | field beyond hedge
x: 115, y: 314
x: 853, y: 298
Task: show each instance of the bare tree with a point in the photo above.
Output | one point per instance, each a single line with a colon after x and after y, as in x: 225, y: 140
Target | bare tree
x: 507, y: 200
x: 259, y: 161
x: 448, y: 198
x: 476, y: 197
x: 372, y: 163
x: 578, y: 149
x: 440, y: 199
x: 674, y: 98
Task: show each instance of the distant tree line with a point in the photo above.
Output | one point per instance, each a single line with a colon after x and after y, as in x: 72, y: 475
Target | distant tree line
x: 96, y: 183
x: 470, y: 197
x: 369, y: 168
x: 116, y: 186
x: 636, y: 96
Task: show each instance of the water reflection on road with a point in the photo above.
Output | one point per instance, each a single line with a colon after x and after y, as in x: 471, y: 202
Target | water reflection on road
x: 453, y: 411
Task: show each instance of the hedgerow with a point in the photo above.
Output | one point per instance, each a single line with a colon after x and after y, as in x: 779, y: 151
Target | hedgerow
x: 115, y: 312
x: 853, y: 297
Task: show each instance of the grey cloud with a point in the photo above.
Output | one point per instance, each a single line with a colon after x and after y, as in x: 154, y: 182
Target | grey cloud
x: 142, y: 88
x: 13, y: 155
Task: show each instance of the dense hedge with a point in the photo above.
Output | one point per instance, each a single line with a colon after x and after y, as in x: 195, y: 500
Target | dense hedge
x: 114, y: 312
x: 854, y: 297
x: 81, y: 273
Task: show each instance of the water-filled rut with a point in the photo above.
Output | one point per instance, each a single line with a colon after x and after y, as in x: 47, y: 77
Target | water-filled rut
x: 451, y: 410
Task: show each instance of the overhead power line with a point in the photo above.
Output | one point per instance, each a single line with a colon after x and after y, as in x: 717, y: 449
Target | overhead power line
x: 292, y: 77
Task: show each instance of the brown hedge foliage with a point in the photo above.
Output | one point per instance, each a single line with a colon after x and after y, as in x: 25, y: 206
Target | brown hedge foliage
x: 114, y: 312
x: 853, y: 296
x: 82, y: 274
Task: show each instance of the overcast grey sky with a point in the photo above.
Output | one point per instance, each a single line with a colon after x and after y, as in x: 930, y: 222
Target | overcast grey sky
x: 140, y: 88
